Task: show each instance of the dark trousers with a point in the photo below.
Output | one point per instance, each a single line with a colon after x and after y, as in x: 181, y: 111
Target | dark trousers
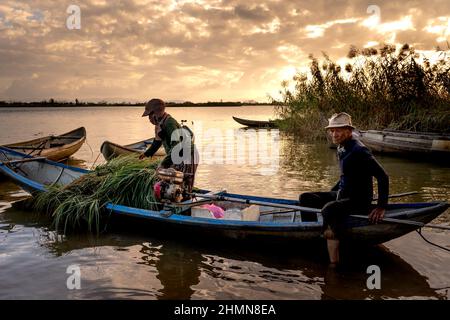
x: 334, y: 211
x: 189, y: 169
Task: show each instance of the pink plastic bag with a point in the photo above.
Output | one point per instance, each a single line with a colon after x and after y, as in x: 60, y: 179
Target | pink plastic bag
x: 215, y: 210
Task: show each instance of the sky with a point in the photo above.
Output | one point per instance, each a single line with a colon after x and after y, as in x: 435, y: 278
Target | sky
x: 178, y: 50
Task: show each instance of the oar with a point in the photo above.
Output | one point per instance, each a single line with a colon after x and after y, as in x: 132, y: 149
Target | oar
x: 264, y: 213
x: 408, y: 222
x: 398, y: 195
x: 14, y: 162
x: 26, y: 147
x: 294, y: 208
x: 261, y: 203
x: 65, y: 137
x: 42, y: 144
x: 271, y: 204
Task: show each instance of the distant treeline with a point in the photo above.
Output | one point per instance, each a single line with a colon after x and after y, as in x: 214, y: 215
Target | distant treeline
x: 76, y: 103
x: 380, y: 88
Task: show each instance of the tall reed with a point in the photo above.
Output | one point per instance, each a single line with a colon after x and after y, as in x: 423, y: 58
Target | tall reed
x: 380, y: 88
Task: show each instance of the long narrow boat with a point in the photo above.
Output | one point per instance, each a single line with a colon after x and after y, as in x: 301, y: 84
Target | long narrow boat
x: 272, y: 224
x: 110, y: 150
x: 55, y: 148
x: 408, y: 143
x: 255, y: 123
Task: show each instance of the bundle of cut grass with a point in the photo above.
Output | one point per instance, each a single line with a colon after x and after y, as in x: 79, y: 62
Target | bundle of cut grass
x: 124, y: 180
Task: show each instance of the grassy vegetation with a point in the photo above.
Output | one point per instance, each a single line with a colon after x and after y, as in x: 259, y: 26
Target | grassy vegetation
x: 80, y: 205
x: 385, y: 88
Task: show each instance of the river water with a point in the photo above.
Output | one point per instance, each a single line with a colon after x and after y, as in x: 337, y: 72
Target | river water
x: 126, y: 265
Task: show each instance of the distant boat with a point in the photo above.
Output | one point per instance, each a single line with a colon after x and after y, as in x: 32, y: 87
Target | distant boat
x: 110, y: 150
x: 256, y: 123
x: 54, y: 148
x: 408, y: 143
x: 272, y: 222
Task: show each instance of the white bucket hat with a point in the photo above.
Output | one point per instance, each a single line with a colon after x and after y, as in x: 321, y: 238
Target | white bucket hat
x: 340, y: 120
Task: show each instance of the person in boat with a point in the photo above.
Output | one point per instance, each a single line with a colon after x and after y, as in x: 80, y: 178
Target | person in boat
x: 169, y: 133
x: 353, y: 193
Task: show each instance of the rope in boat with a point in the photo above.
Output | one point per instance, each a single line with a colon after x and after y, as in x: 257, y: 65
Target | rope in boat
x: 95, y: 162
x: 6, y: 156
x: 92, y: 154
x: 15, y: 168
x: 40, y: 147
x: 92, y: 151
x: 428, y: 241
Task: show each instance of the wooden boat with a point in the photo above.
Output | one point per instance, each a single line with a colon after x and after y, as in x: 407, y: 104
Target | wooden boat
x: 110, y: 150
x: 272, y: 224
x: 256, y: 123
x: 408, y: 143
x: 34, y: 173
x: 55, y: 148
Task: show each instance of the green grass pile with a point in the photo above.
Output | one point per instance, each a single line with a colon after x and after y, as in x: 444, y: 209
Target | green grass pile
x: 125, y: 180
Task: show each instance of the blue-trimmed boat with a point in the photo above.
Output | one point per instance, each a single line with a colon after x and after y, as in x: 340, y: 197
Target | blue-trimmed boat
x: 274, y: 223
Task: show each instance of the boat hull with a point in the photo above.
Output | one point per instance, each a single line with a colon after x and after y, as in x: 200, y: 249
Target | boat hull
x: 358, y: 231
x: 54, y: 148
x: 255, y: 123
x: 111, y: 150
x: 424, y: 145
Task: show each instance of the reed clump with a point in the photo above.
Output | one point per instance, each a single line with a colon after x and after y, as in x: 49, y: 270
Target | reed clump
x: 124, y: 180
x: 389, y: 87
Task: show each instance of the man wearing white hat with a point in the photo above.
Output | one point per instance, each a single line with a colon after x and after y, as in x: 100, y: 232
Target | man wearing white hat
x: 354, y: 191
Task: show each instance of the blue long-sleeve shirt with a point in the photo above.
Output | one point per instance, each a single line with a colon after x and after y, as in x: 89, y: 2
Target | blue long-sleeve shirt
x: 358, y: 166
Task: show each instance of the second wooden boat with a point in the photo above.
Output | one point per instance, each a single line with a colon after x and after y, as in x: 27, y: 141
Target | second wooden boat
x: 408, y: 143
x: 55, y: 148
x: 110, y: 150
x: 256, y: 123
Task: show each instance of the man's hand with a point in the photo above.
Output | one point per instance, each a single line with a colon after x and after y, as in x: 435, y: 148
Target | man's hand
x: 142, y: 156
x: 376, y: 215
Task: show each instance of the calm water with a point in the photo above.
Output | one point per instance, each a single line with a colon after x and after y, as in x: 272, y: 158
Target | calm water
x: 34, y: 259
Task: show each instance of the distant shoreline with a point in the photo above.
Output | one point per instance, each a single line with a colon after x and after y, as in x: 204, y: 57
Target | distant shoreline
x: 101, y: 104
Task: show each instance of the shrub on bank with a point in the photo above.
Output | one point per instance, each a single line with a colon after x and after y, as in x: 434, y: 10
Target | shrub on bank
x: 384, y: 88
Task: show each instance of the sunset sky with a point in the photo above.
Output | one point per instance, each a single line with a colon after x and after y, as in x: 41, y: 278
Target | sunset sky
x: 133, y: 50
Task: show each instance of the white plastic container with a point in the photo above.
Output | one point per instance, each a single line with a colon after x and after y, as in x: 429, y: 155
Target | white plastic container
x: 250, y: 213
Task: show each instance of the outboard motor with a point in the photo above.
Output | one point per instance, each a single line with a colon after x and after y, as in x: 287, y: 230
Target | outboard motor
x: 170, y: 188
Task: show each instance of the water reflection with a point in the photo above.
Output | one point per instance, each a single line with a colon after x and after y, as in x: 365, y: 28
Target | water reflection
x: 313, y: 167
x: 186, y: 270
x: 398, y: 278
x: 178, y: 269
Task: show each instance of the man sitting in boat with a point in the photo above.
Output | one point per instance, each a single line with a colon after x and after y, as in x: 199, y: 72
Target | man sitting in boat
x: 169, y: 133
x: 354, y: 191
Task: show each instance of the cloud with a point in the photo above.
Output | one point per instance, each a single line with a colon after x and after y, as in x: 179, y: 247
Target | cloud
x: 192, y: 50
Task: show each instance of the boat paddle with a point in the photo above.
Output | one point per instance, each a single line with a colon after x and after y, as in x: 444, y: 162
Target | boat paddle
x: 306, y: 209
x: 409, y: 222
x: 276, y: 205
